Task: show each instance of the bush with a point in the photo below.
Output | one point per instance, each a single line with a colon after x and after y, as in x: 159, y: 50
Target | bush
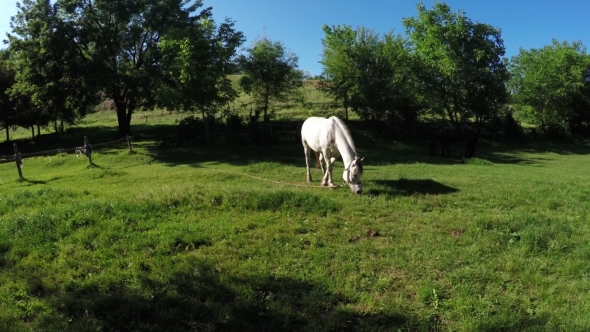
x: 554, y: 131
x: 190, y: 130
x: 511, y: 127
x: 503, y: 123
x: 234, y: 127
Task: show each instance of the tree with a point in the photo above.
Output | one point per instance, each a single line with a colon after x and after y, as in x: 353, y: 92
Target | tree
x: 373, y: 75
x: 8, y: 111
x: 270, y: 74
x: 551, y: 85
x: 200, y: 59
x: 110, y: 47
x: 339, y: 75
x: 48, y: 74
x: 463, y: 72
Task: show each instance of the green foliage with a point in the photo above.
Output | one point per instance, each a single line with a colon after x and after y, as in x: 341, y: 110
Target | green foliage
x: 139, y: 54
x: 234, y: 126
x: 550, y: 86
x: 50, y: 83
x: 339, y: 74
x: 200, y: 59
x: 372, y: 75
x: 270, y: 75
x: 191, y: 130
x: 503, y: 124
x: 8, y: 112
x: 461, y: 63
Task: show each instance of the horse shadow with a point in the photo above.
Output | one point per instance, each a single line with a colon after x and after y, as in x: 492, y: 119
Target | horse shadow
x: 409, y: 187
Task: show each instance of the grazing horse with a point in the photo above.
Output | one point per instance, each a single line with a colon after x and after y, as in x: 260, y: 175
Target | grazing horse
x: 454, y: 133
x: 330, y: 139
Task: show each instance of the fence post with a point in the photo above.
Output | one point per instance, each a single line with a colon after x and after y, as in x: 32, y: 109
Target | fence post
x: 19, y: 161
x: 129, y: 144
x: 88, y: 150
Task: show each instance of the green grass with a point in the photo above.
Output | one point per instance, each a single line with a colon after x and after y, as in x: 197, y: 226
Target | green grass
x: 177, y: 239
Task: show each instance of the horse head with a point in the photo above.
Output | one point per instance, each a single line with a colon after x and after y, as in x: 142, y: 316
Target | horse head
x: 352, y: 175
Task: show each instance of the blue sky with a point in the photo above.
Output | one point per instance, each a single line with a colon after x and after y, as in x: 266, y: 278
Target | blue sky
x: 298, y: 23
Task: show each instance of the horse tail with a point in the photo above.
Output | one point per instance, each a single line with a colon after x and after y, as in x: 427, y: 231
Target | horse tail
x: 345, y: 131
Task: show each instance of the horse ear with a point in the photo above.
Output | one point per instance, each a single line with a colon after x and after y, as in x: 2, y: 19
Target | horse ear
x: 363, y: 158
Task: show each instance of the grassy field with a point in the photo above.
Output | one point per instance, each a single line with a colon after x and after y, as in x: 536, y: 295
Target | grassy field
x: 198, y: 238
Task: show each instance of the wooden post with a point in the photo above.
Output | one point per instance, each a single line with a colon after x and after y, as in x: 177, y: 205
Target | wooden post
x: 129, y: 144
x: 88, y: 150
x: 19, y: 161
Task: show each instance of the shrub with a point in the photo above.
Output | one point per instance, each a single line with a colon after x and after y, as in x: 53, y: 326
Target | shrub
x: 511, y: 127
x: 234, y: 126
x: 190, y: 130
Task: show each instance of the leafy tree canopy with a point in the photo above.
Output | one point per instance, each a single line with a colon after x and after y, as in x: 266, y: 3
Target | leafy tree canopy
x: 372, y: 74
x: 461, y: 62
x: 552, y: 84
x: 120, y: 49
x: 270, y: 74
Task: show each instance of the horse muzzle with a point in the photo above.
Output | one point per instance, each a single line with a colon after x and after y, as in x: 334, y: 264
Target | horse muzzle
x: 356, y: 188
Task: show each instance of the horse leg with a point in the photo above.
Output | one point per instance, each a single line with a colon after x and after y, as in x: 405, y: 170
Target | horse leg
x: 318, y: 157
x: 320, y: 163
x: 306, y: 151
x: 327, y: 179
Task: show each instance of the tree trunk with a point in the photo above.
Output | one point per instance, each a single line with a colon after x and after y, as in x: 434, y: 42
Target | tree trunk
x: 61, y: 126
x: 55, y: 125
x: 451, y: 116
x: 345, y: 104
x: 266, y: 97
x: 33, y: 131
x: 38, y: 130
x: 124, y: 112
x: 7, y: 134
x: 206, y: 122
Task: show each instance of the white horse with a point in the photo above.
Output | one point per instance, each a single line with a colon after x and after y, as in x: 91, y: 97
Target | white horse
x: 329, y: 139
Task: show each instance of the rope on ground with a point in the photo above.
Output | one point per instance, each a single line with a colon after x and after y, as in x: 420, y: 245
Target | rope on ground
x: 274, y: 181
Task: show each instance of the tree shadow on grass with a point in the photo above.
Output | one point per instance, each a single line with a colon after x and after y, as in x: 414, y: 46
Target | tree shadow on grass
x: 525, y: 323
x: 408, y: 187
x: 236, y: 155
x: 204, y: 300
x: 379, y: 152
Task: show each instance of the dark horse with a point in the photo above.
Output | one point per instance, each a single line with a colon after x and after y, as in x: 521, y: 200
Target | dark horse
x: 454, y: 133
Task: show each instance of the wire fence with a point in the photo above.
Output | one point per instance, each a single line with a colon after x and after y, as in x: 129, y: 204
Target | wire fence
x: 86, y: 150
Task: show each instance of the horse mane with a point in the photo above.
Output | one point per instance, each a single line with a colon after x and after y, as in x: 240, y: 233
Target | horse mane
x: 345, y: 132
